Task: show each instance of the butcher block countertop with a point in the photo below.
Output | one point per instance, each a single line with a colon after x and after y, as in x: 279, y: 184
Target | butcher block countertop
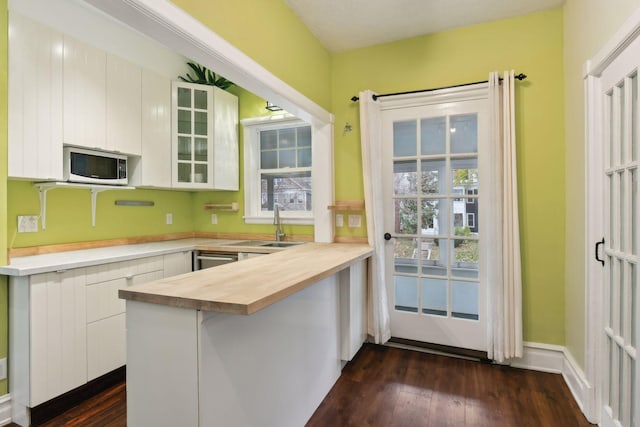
x: 248, y: 286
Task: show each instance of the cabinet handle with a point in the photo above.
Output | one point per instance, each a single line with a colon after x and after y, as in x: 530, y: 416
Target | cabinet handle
x: 598, y: 244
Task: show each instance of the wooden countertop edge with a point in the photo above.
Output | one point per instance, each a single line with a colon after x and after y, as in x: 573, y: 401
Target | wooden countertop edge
x: 148, y: 296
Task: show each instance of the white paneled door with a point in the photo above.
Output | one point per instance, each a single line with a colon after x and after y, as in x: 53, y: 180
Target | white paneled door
x: 433, y: 174
x: 620, y: 331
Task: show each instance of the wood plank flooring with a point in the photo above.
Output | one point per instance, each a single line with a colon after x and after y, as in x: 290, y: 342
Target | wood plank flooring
x: 386, y: 386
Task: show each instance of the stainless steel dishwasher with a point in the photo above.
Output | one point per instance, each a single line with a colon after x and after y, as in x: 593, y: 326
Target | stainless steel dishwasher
x: 204, y: 259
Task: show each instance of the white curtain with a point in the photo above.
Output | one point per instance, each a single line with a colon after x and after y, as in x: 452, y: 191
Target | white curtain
x: 504, y: 272
x: 371, y: 143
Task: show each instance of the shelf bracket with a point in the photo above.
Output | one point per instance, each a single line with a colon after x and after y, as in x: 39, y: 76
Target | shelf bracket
x: 94, y: 200
x: 42, y: 193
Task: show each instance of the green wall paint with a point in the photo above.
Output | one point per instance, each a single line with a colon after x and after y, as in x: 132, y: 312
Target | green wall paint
x: 270, y: 33
x: 531, y: 44
x: 3, y: 185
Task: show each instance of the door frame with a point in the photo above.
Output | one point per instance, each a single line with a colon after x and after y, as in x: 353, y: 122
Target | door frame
x: 594, y: 224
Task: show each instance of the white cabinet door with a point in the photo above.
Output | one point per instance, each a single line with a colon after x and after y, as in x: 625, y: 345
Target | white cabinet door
x: 175, y: 264
x: 226, y: 173
x: 35, y: 100
x: 106, y: 345
x: 123, y: 116
x: 156, y: 131
x: 103, y: 301
x: 58, y: 334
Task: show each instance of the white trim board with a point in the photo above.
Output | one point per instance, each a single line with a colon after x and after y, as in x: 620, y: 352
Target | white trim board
x: 5, y: 409
x: 557, y: 360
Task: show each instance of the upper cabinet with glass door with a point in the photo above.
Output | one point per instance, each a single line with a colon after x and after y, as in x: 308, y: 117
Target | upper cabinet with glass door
x: 204, y: 138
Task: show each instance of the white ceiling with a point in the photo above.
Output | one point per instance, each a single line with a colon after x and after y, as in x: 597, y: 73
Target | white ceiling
x: 348, y: 24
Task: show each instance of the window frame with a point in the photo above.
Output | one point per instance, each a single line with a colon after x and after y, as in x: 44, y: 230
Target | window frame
x: 253, y: 213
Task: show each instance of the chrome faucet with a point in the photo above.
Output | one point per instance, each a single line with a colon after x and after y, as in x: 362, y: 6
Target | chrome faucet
x: 276, y: 221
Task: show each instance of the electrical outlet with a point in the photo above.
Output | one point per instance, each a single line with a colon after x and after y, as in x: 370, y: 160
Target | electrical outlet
x: 3, y: 369
x: 27, y: 223
x: 214, y: 219
x: 355, y: 221
x: 339, y: 220
x: 169, y: 219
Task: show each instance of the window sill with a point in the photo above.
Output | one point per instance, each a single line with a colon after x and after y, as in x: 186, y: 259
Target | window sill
x: 283, y: 220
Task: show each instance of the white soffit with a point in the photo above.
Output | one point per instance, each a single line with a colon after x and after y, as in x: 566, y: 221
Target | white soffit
x: 349, y: 24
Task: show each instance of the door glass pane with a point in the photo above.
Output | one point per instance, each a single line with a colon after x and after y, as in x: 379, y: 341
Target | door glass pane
x: 432, y: 265
x: 465, y: 258
x: 405, y: 255
x: 201, y: 149
x: 434, y: 296
x: 405, y: 178
x: 610, y: 121
x: 612, y: 213
x: 200, y: 99
x: 634, y: 212
x: 184, y: 172
x: 406, y: 293
x: 434, y: 217
x: 184, y: 148
x: 623, y: 117
x: 433, y: 139
x: 621, y: 299
x: 287, y: 138
x: 433, y: 176
x: 404, y: 138
x: 464, y: 299
x: 622, y: 381
x: 406, y: 216
x: 184, y: 97
x: 463, y: 131
x: 634, y: 118
x: 200, y: 123
x: 634, y: 305
x: 184, y: 121
x: 621, y: 208
x: 200, y: 173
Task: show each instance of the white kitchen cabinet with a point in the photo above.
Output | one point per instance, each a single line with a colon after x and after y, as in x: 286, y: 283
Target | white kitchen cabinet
x: 35, y: 100
x: 85, y: 94
x: 156, y: 131
x: 204, y: 137
x: 123, y: 106
x: 58, y: 327
x: 178, y: 263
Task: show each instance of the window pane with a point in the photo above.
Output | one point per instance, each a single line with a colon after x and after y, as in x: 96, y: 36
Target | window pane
x: 634, y: 305
x: 184, y: 172
x: 406, y: 293
x: 465, y: 259
x: 287, y: 159
x: 463, y: 131
x: 634, y: 212
x: 432, y: 179
x: 434, y: 296
x: 287, y: 138
x: 268, y: 139
x: 465, y: 217
x: 292, y: 191
x: 184, y: 97
x: 432, y: 136
x: 304, y: 136
x: 434, y: 217
x: 464, y: 299
x: 405, y: 177
x: 268, y: 160
x: 184, y: 148
x: 404, y: 138
x: 200, y: 99
x: 200, y: 123
x: 304, y: 158
x: 464, y: 175
x: 432, y: 263
x: 200, y: 173
x: 634, y: 115
x: 201, y: 149
x: 405, y: 255
x: 406, y: 215
x: 184, y: 121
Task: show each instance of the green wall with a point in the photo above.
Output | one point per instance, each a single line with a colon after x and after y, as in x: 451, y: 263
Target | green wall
x: 530, y: 44
x: 3, y: 185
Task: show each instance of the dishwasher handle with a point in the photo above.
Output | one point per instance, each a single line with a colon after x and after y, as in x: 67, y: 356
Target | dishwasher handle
x: 217, y: 258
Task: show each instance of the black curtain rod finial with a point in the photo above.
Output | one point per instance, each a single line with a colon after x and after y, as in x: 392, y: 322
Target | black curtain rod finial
x: 521, y: 76
x: 355, y: 98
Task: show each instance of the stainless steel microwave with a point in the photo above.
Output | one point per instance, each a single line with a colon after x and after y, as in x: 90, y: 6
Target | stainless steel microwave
x: 94, y: 166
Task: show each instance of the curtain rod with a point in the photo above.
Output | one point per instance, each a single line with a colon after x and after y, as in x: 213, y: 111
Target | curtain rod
x: 375, y: 97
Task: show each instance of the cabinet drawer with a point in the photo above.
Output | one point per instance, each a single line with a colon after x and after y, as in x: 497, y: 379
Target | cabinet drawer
x: 106, y: 345
x: 126, y: 269
x: 102, y: 298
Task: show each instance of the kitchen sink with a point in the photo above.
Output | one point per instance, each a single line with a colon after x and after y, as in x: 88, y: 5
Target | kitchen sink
x: 249, y: 243
x: 280, y: 244
x: 265, y: 243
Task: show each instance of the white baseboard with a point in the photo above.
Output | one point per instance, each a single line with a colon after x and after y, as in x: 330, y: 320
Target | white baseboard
x: 558, y: 360
x: 5, y: 409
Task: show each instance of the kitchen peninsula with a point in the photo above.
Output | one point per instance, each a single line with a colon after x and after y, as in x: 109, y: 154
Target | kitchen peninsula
x: 256, y: 343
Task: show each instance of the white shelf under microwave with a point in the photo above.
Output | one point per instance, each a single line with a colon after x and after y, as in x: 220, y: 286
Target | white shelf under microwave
x: 44, y: 187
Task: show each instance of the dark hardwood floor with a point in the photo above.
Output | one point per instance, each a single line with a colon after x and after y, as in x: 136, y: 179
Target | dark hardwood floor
x: 386, y: 386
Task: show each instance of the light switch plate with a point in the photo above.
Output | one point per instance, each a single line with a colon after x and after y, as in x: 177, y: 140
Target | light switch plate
x: 214, y: 219
x: 339, y: 220
x: 355, y: 221
x: 169, y: 219
x: 27, y: 223
x: 3, y: 369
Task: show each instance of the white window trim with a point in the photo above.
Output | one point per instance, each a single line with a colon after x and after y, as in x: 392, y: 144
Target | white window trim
x: 253, y: 214
x: 471, y: 216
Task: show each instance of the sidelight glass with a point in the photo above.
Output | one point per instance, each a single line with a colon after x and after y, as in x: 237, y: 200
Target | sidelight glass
x: 405, y: 138
x: 434, y: 296
x: 463, y: 132
x: 464, y: 299
x: 406, y: 293
x: 433, y: 136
